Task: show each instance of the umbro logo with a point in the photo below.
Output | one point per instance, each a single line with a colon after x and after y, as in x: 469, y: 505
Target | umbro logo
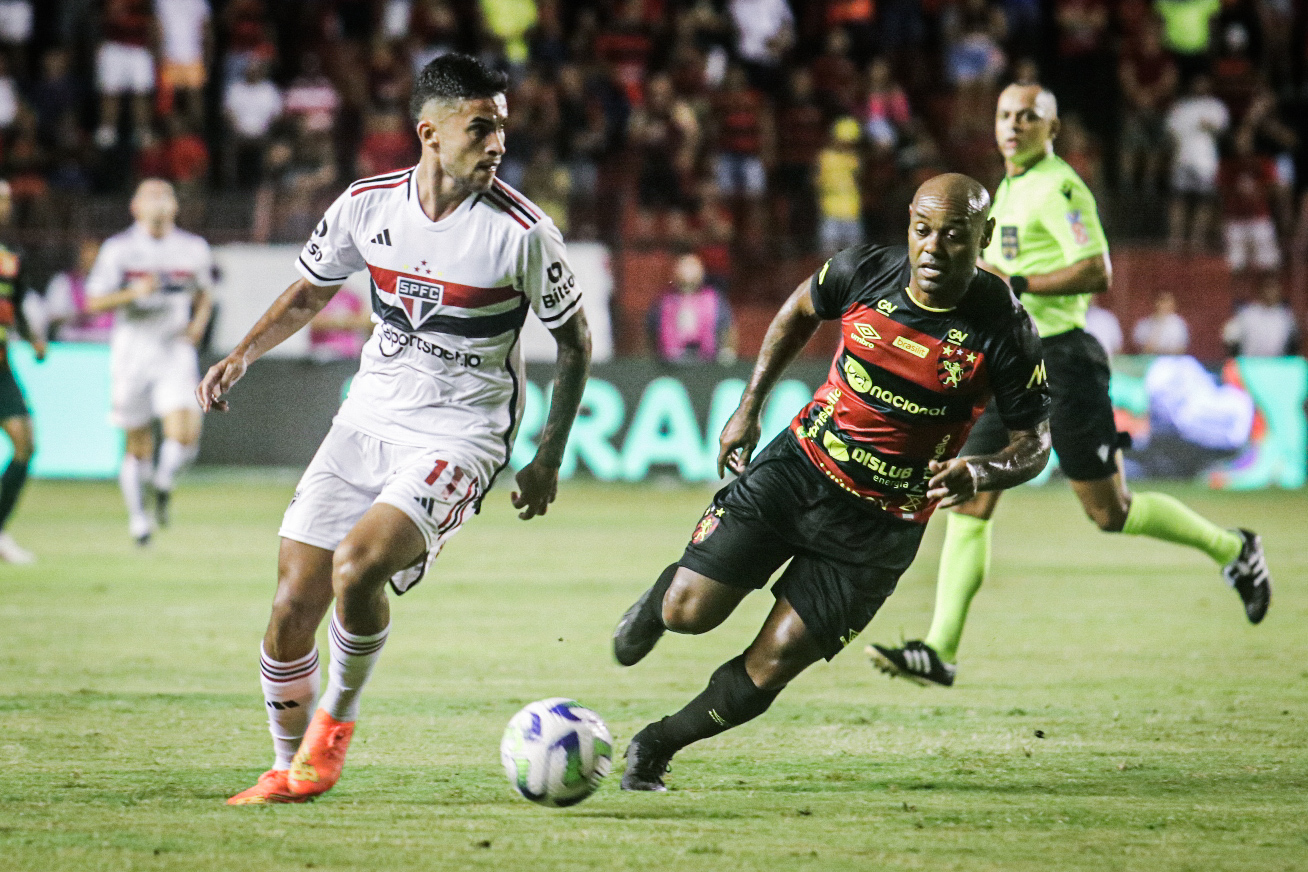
x: 427, y: 503
x: 383, y: 238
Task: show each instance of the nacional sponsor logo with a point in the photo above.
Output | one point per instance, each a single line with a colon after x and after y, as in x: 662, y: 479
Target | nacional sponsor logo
x: 398, y: 340
x: 864, y: 335
x: 418, y: 298
x: 861, y: 381
x: 1008, y: 245
x: 917, y: 349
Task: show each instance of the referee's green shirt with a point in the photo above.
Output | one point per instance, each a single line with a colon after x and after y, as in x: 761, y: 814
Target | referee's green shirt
x: 1046, y: 219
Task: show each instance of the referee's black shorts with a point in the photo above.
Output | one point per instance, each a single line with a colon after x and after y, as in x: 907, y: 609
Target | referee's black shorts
x: 1081, y: 415
x: 845, y: 557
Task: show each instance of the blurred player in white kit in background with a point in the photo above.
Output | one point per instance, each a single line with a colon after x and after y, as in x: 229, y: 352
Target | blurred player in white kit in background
x: 156, y: 279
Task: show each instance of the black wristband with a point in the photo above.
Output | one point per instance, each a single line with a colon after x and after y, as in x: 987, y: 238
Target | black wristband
x: 1019, y: 284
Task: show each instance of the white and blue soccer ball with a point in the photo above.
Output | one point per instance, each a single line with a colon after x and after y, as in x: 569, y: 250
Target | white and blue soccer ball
x: 556, y: 752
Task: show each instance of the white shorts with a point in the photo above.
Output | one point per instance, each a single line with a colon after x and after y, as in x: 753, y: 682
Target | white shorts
x: 124, y: 69
x: 1252, y: 240
x: 353, y: 471
x: 149, y: 386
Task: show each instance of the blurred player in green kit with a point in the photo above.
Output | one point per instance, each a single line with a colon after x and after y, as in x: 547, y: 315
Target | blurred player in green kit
x: 1050, y: 248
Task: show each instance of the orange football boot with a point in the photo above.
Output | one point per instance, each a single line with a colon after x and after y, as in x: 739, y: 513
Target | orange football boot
x: 271, y: 788
x: 316, y: 767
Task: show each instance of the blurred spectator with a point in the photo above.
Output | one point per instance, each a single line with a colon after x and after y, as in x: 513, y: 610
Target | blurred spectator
x: 311, y: 100
x: 251, y: 105
x: 388, y: 143
x: 57, y: 95
x: 855, y: 17
x: 533, y: 123
x: 16, y: 20
x: 1246, y: 182
x: 1264, y: 327
x: 1194, y: 123
x: 1148, y: 77
x: 1163, y: 332
x: 1084, y: 68
x: 580, y: 145
x: 246, y: 32
x: 179, y: 155
x: 546, y: 183
x: 835, y: 78
x: 625, y: 46
x: 691, y: 321
x: 765, y: 33
x: 804, y: 127
x: 1076, y: 146
x: 886, y: 111
x: 65, y: 301
x: 713, y: 232
x: 124, y: 68
x: 186, y: 36
x: 840, y: 224
x: 744, y: 137
x: 510, y: 20
x: 665, y: 133
x: 1187, y: 32
x: 547, y: 45
x: 1103, y: 325
x: 8, y: 96
x: 974, y: 61
x: 340, y: 329
x: 389, y: 77
x: 25, y: 165
x: 433, y: 31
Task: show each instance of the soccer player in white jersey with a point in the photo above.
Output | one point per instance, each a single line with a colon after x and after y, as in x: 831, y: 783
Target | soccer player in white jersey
x: 156, y: 278
x: 456, y: 258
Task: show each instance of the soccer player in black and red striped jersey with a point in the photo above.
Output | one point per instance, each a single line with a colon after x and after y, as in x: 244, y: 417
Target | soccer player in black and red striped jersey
x: 845, y: 493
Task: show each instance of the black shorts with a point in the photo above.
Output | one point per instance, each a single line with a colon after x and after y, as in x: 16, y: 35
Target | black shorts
x: 12, y: 404
x: 1080, y: 416
x: 845, y: 557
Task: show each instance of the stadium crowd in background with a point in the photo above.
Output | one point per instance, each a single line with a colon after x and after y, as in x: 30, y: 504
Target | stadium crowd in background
x: 742, y: 129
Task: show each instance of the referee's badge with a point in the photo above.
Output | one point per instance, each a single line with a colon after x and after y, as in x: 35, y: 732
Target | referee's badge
x: 1008, y: 245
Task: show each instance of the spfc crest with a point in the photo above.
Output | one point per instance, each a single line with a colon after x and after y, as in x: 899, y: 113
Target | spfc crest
x: 955, y: 366
x: 711, y: 521
x: 1008, y: 242
x: 418, y: 298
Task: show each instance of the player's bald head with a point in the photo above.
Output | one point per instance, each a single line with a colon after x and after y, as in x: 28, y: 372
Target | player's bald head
x: 958, y: 195
x: 1026, y: 122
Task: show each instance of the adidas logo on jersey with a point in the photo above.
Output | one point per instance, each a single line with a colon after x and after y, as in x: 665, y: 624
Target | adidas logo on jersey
x: 427, y: 503
x: 383, y: 238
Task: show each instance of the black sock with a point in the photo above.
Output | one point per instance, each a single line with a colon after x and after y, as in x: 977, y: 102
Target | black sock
x: 730, y: 700
x: 652, y: 609
x: 11, y: 484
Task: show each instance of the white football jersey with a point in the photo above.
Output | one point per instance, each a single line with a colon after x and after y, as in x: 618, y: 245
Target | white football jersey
x: 449, y: 299
x: 181, y: 264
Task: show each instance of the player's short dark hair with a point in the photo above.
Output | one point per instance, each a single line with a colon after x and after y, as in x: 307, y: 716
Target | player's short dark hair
x: 455, y: 77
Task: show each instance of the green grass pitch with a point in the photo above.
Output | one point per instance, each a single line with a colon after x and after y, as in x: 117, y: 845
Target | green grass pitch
x: 1114, y: 710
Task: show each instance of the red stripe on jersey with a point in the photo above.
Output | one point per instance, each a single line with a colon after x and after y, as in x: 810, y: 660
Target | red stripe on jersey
x: 452, y: 293
x: 517, y: 198
x: 506, y: 206
x: 357, y: 191
x: 879, y: 349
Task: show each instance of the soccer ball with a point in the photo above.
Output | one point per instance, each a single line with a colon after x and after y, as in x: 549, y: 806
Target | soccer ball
x: 556, y: 751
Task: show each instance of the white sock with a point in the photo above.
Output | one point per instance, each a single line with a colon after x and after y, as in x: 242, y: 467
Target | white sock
x: 290, y: 690
x: 353, y: 658
x: 132, y: 477
x: 173, y: 456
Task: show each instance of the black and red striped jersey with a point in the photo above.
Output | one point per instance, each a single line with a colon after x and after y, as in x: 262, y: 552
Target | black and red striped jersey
x: 907, y: 381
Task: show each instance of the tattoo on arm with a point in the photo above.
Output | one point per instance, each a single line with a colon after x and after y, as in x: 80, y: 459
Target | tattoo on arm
x: 571, y: 369
x: 1021, y: 460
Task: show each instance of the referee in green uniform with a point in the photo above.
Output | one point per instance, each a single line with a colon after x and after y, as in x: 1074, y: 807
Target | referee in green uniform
x: 1050, y: 248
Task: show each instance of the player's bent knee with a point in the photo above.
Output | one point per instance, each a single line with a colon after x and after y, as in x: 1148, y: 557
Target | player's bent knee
x: 686, y: 611
x: 357, y: 569
x: 1109, y: 519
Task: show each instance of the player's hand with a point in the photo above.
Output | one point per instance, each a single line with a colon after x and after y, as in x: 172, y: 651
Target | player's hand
x: 952, y: 482
x: 143, y: 287
x: 738, y: 440
x: 194, y: 337
x: 218, y: 381
x: 538, y: 485
x: 40, y: 348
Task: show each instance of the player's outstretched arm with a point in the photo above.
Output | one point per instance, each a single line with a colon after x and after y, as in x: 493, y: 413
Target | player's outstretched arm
x: 202, y: 311
x: 538, y: 481
x: 292, y: 310
x: 787, y: 335
x: 958, y: 480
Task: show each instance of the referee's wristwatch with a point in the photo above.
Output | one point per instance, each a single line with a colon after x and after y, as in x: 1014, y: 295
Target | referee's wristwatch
x: 1019, y: 284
